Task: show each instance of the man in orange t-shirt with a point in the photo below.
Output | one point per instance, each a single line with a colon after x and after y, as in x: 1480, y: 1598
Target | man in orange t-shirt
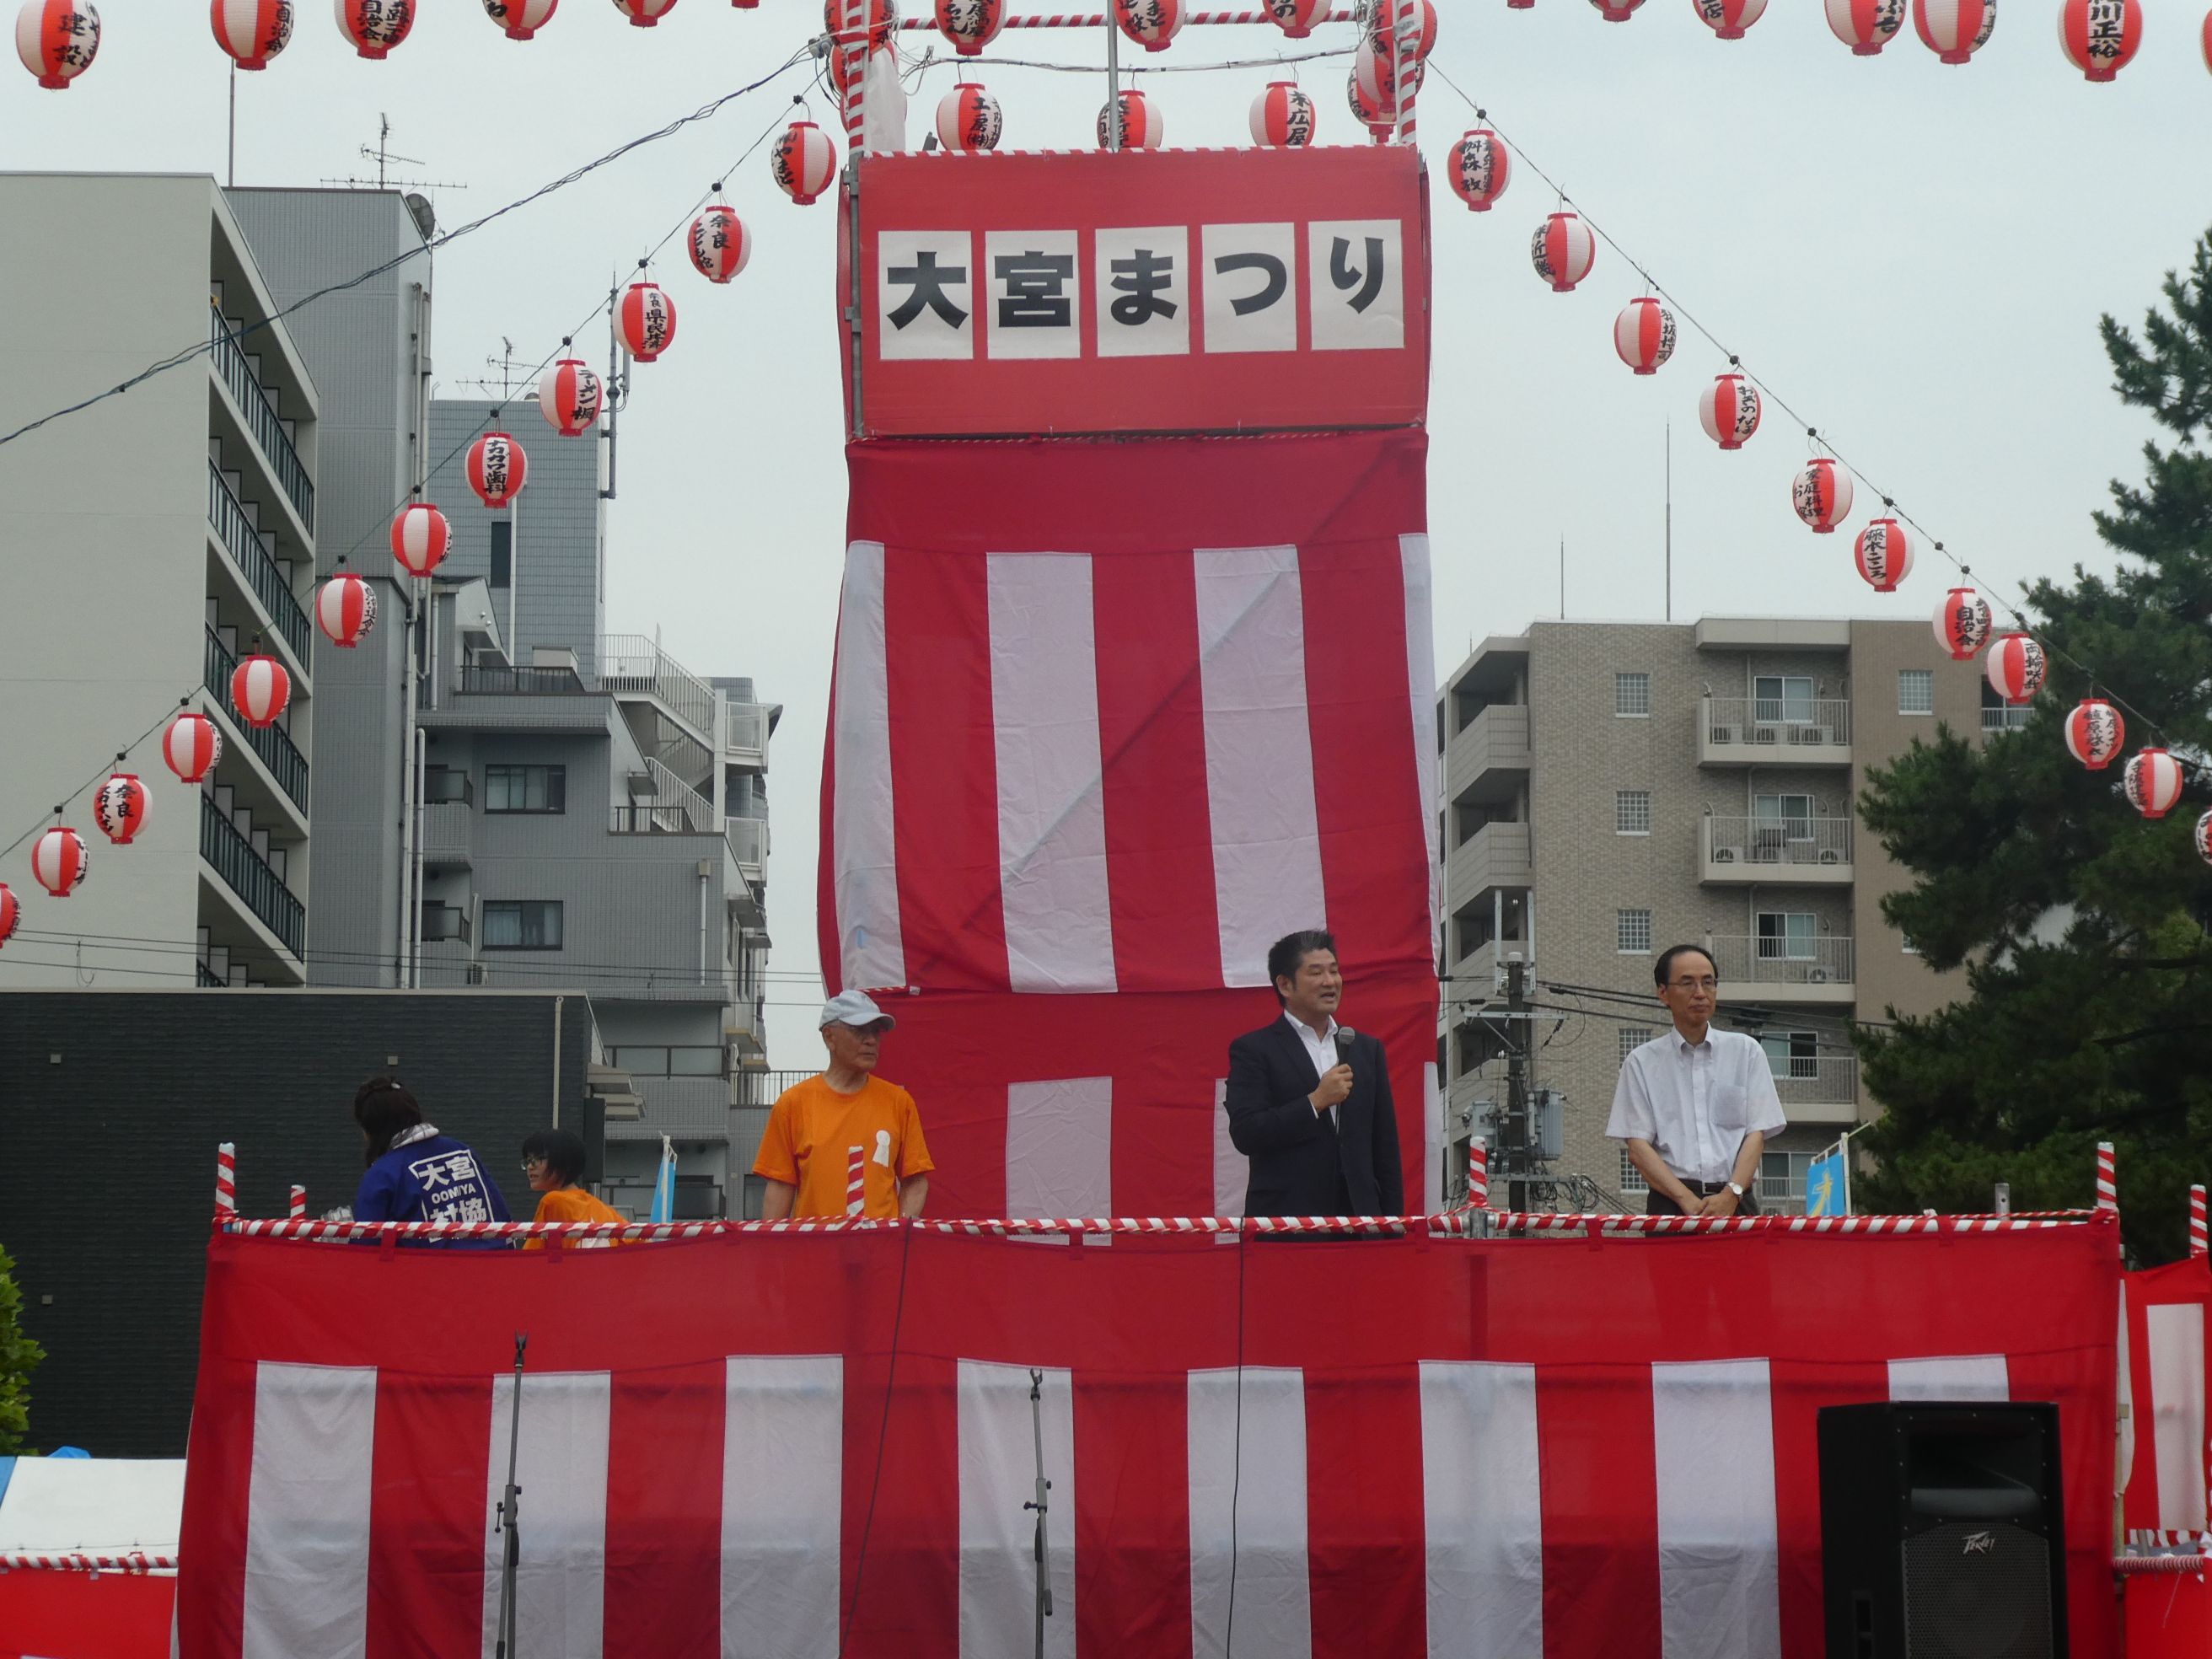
x: 844, y: 1119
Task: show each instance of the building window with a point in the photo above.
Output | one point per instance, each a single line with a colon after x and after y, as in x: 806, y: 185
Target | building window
x: 1916, y: 690
x: 1632, y: 1037
x: 522, y: 925
x: 1791, y: 1053
x: 1782, y: 700
x: 1631, y: 695
x: 1631, y: 1178
x: 1782, y: 817
x: 502, y: 558
x: 1633, y: 932
x: 525, y: 788
x: 1787, y: 935
x: 1631, y: 812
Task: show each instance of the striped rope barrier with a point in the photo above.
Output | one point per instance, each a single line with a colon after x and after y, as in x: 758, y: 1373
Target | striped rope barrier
x: 134, y: 1562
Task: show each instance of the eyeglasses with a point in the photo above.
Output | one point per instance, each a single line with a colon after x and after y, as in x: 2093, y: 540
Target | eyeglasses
x: 533, y: 1165
x: 1707, y: 983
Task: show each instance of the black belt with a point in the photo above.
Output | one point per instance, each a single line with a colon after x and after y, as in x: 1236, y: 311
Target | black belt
x: 1706, y: 1189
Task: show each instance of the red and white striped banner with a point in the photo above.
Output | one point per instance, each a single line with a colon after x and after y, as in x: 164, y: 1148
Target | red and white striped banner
x: 1395, y: 1447
x: 2169, y: 1473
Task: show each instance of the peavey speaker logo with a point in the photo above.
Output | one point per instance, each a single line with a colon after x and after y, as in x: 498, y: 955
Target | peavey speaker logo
x: 1980, y: 1543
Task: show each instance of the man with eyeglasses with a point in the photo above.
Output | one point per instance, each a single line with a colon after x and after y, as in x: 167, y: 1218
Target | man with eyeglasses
x: 1694, y: 1106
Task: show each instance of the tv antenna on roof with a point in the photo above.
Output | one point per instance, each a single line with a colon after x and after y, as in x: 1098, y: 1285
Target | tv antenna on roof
x: 508, y: 366
x: 382, y: 153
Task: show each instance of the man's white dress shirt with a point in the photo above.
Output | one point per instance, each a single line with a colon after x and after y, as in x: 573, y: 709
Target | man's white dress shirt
x: 1695, y: 1104
x: 1319, y: 1049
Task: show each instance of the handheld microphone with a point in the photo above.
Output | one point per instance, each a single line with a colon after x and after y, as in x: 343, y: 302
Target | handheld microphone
x: 1344, y: 1036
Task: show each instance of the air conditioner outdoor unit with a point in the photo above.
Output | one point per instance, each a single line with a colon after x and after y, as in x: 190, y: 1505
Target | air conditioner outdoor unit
x: 1764, y: 734
x: 1816, y: 975
x: 1723, y: 734
x: 1830, y: 856
x: 1724, y: 855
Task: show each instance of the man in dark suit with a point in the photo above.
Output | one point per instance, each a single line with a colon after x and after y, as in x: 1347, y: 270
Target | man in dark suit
x: 1308, y: 1101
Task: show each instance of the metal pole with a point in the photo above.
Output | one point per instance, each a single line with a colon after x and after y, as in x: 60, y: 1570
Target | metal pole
x: 230, y: 173
x: 1514, y: 1142
x: 1670, y: 521
x: 608, y: 393
x: 1044, y: 1486
x: 1113, y: 85
x: 510, y: 1513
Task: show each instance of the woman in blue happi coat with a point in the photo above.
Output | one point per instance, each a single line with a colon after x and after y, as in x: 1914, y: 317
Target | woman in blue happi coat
x: 417, y: 1173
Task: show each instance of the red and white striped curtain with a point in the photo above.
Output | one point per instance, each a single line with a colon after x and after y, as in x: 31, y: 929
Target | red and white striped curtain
x: 2168, y: 1311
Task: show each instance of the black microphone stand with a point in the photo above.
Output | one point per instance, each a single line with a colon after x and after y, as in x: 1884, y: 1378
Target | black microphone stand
x: 510, y: 1509
x: 1043, y: 1486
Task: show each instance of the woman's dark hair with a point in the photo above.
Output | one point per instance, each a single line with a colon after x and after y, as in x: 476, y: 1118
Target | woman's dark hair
x: 562, y: 1150
x: 384, y: 1106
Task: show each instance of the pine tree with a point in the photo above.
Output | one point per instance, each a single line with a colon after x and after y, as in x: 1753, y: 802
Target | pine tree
x: 19, y: 1357
x: 2081, y: 925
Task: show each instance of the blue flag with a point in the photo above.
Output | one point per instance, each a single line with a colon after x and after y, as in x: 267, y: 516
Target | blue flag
x: 663, y: 1185
x: 1828, y: 1186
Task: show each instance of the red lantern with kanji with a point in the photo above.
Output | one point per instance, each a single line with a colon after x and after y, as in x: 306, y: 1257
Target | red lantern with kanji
x: 375, y: 26
x: 9, y: 910
x: 191, y: 746
x: 1728, y: 409
x: 1150, y: 23
x: 1479, y: 168
x: 58, y: 861
x: 644, y: 13
x: 2201, y: 838
x: 2206, y: 39
x: 879, y: 17
x: 1644, y: 335
x: 1616, y: 11
x: 1729, y: 19
x: 2015, y: 666
x: 496, y: 469
x: 1822, y: 494
x: 569, y: 397
x: 1954, y: 29
x: 56, y: 39
x: 119, y: 807
x: 1884, y: 554
x: 420, y: 538
x: 2095, y: 733
x: 1865, y: 26
x: 251, y: 31
x: 345, y: 610
x: 647, y: 319
x: 1295, y: 18
x: 969, y: 119
x: 1142, y: 127
x: 1410, y: 22
x: 259, y: 689
x: 2151, y: 782
x: 719, y: 243
x: 2100, y: 36
x: 521, y: 19
x: 804, y: 162
x: 1376, y: 72
x: 1563, y: 250
x: 1283, y: 117
x: 1366, y: 108
x: 1962, y: 623
x: 970, y: 25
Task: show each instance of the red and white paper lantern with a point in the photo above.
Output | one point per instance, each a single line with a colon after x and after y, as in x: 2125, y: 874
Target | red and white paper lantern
x: 1729, y: 19
x: 2015, y: 666
x: 251, y: 31
x: 1954, y: 29
x: 375, y: 26
x: 119, y: 806
x: 569, y: 397
x: 1480, y: 168
x: 1375, y: 71
x: 191, y: 746
x: 58, y: 861
x: 970, y: 25
x: 1366, y: 109
x: 647, y: 321
x: 1283, y: 117
x: 1150, y: 23
x: 719, y: 243
x: 969, y: 119
x: 1412, y: 22
x: 804, y: 162
x: 2095, y: 733
x: 1295, y: 18
x: 644, y: 13
x: 345, y: 610
x: 1822, y: 494
x: 1616, y: 11
x: 2201, y: 838
x: 496, y: 469
x: 420, y: 538
x: 521, y: 19
x: 1865, y: 26
x: 1644, y: 335
x: 2100, y: 36
x: 2205, y: 40
x: 2151, y: 782
x: 56, y: 39
x: 9, y: 911
x: 1563, y: 250
x: 879, y: 18
x: 1884, y: 554
x: 260, y: 690
x: 1962, y: 623
x: 1728, y: 409
x: 1142, y: 127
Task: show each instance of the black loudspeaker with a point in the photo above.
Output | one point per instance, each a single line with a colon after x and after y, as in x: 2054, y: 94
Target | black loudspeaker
x: 1942, y: 1532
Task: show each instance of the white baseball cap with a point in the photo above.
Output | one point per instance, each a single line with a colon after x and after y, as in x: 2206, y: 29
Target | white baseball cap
x: 854, y: 1008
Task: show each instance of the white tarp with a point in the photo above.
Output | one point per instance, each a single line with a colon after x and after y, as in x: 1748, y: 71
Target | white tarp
x: 92, y: 1506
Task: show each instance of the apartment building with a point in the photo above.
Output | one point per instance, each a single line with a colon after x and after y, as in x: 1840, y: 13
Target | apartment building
x: 153, y: 538
x: 1611, y: 789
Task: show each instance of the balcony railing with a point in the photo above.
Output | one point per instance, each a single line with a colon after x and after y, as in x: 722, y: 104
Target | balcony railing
x: 1824, y: 960
x: 1821, y: 1081
x: 275, y: 746
x: 647, y: 819
x: 235, y: 531
x: 204, y: 977
x: 2006, y: 717
x: 1761, y: 840
x: 748, y: 839
x: 261, y: 418
x: 632, y: 663
x: 247, y: 874
x: 670, y: 1059
x: 1785, y: 722
x: 521, y: 681
x: 746, y: 734
x: 446, y: 924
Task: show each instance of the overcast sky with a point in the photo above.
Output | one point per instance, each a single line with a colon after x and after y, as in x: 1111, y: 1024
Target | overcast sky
x: 1914, y: 254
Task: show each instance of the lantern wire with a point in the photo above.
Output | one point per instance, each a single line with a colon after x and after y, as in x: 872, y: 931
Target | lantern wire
x: 168, y: 713
x: 2097, y: 682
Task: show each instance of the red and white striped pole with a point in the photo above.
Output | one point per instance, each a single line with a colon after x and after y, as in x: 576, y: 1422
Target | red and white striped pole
x: 2200, y: 1245
x: 226, y: 1180
x: 1478, y: 1174
x: 2108, y: 1190
x: 852, y: 39
x: 298, y: 1209
x: 856, y: 1181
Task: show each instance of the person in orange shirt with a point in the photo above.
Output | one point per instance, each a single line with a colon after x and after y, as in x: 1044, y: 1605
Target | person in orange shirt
x: 846, y: 1118
x: 554, y: 1161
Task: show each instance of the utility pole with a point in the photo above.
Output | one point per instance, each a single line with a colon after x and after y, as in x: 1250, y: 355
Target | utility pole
x: 1518, y: 1165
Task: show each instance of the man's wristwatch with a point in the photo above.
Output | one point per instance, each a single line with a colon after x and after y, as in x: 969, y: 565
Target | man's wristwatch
x: 1737, y: 1190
